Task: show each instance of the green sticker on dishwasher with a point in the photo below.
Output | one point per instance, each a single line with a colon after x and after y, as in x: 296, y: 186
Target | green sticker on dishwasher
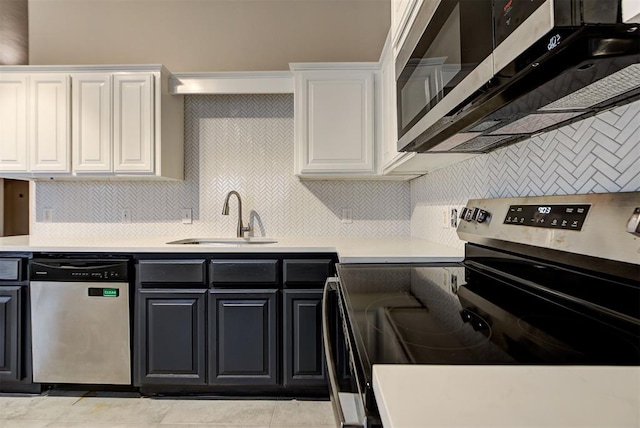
x: 109, y: 292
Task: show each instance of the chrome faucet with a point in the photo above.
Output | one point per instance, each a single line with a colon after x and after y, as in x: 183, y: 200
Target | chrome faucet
x: 225, y: 211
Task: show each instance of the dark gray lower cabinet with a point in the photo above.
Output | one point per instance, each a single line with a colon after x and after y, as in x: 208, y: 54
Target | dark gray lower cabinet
x: 303, y: 351
x: 10, y: 333
x: 243, y: 347
x: 172, y: 342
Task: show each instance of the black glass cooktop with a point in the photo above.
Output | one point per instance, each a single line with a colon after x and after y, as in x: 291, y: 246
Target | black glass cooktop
x: 452, y: 314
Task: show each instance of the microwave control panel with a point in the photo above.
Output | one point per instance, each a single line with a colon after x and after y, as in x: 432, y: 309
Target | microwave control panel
x: 509, y: 14
x: 569, y: 217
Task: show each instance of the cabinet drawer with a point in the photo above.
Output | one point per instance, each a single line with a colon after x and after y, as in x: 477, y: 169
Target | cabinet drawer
x: 307, y: 272
x: 244, y: 271
x: 171, y: 272
x: 10, y: 269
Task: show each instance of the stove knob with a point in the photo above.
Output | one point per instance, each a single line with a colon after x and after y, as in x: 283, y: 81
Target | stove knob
x: 467, y: 214
x: 463, y: 212
x: 633, y: 224
x: 480, y: 215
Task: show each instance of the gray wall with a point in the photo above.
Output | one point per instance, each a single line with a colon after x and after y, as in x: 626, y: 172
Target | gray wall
x: 206, y: 35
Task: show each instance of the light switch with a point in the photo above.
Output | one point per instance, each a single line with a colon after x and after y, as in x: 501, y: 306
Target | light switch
x: 186, y: 216
x: 126, y: 215
x: 347, y: 216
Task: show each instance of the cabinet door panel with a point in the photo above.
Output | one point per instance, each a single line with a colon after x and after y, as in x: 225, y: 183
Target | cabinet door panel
x: 49, y: 125
x: 133, y: 122
x: 13, y: 122
x: 171, y: 337
x: 243, y: 343
x: 335, y: 127
x: 91, y: 125
x: 303, y: 350
x: 10, y: 333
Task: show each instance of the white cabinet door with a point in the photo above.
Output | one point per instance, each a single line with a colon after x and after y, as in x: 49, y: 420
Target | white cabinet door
x: 335, y: 121
x: 49, y: 125
x: 91, y: 122
x: 133, y: 123
x: 13, y: 122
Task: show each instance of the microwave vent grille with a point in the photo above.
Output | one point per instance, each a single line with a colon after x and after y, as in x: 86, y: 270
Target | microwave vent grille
x: 484, y: 143
x: 602, y: 90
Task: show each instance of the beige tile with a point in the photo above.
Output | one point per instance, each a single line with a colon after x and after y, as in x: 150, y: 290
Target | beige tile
x: 116, y: 410
x: 35, y: 408
x: 11, y: 406
x: 303, y: 413
x: 232, y: 412
x: 101, y: 425
x: 14, y: 423
x: 210, y: 426
x: 289, y: 426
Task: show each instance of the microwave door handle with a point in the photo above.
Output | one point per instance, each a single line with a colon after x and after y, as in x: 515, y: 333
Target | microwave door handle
x: 338, y: 400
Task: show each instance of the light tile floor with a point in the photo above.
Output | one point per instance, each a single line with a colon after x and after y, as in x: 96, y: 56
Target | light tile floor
x: 89, y: 410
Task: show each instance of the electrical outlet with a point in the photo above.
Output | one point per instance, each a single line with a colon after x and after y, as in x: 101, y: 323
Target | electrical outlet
x: 47, y: 215
x: 444, y: 217
x: 347, y: 216
x: 126, y: 215
x: 186, y: 216
x: 445, y: 279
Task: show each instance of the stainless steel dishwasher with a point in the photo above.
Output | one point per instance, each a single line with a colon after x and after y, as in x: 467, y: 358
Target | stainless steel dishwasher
x: 80, y: 321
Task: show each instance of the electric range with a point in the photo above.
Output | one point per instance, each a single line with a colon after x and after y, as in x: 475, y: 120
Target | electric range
x: 545, y: 280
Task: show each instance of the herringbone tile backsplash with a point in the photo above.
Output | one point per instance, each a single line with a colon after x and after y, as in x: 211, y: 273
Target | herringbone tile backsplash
x: 232, y: 142
x: 598, y: 155
x: 245, y: 142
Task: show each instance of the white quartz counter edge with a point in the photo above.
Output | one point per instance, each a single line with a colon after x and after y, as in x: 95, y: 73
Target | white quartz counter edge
x: 349, y: 249
x: 411, y: 396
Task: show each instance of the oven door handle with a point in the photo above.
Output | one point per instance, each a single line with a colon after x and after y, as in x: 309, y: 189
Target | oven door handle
x: 339, y: 400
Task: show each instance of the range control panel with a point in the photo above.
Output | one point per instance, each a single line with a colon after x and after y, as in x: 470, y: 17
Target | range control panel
x: 570, y: 217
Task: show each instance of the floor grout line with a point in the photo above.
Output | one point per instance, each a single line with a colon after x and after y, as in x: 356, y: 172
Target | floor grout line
x: 273, y: 413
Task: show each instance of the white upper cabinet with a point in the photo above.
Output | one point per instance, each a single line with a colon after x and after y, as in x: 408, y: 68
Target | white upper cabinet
x: 90, y: 122
x: 400, y: 10
x: 403, y: 14
x: 133, y: 123
x: 13, y: 122
x: 334, y: 119
x: 49, y: 125
x: 91, y: 127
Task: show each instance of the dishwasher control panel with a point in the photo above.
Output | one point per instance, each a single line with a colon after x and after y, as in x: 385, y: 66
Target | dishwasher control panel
x: 86, y: 270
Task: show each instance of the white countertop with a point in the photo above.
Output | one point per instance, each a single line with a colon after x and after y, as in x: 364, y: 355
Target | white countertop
x: 349, y: 249
x: 412, y: 396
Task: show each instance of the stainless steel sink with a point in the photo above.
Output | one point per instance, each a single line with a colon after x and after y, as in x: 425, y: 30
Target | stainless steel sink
x: 225, y: 241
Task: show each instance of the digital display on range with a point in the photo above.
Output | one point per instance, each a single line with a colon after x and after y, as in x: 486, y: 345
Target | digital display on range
x: 570, y: 217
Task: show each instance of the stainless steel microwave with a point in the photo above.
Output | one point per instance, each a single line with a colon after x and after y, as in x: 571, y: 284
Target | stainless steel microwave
x: 475, y: 75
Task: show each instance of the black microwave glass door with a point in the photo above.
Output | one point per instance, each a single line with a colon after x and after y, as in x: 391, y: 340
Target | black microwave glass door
x: 458, y: 37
